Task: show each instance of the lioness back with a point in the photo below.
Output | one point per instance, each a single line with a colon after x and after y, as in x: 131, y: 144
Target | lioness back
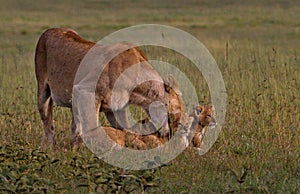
x: 58, y: 55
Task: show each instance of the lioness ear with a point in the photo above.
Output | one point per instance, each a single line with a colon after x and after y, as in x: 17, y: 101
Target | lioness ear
x: 170, y: 82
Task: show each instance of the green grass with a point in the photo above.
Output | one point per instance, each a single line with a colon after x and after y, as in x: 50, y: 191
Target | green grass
x: 258, y: 149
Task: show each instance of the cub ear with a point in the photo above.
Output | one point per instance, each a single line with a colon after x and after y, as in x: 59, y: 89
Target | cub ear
x: 198, y: 109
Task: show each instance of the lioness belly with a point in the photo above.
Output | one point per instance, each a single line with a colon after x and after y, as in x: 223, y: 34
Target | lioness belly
x: 62, y: 99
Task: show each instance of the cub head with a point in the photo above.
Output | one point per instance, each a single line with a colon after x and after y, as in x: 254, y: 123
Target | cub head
x: 204, y: 116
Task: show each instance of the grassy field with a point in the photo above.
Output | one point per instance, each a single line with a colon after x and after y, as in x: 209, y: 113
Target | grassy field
x: 258, y: 150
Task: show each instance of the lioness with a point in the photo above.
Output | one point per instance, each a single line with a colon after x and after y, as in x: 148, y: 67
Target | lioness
x: 59, y: 52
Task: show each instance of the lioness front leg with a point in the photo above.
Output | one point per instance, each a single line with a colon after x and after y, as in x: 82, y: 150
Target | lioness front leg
x: 76, y: 127
x: 118, y: 119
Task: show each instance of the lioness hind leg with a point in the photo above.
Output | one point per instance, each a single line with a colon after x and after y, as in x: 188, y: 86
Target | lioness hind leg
x: 45, y: 106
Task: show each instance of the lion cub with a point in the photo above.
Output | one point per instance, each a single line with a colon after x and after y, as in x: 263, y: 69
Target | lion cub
x: 132, y: 140
x: 206, y: 117
x: 201, y: 117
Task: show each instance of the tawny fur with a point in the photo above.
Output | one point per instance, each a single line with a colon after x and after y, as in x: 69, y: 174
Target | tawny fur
x: 203, y: 116
x: 206, y: 117
x: 58, y: 55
